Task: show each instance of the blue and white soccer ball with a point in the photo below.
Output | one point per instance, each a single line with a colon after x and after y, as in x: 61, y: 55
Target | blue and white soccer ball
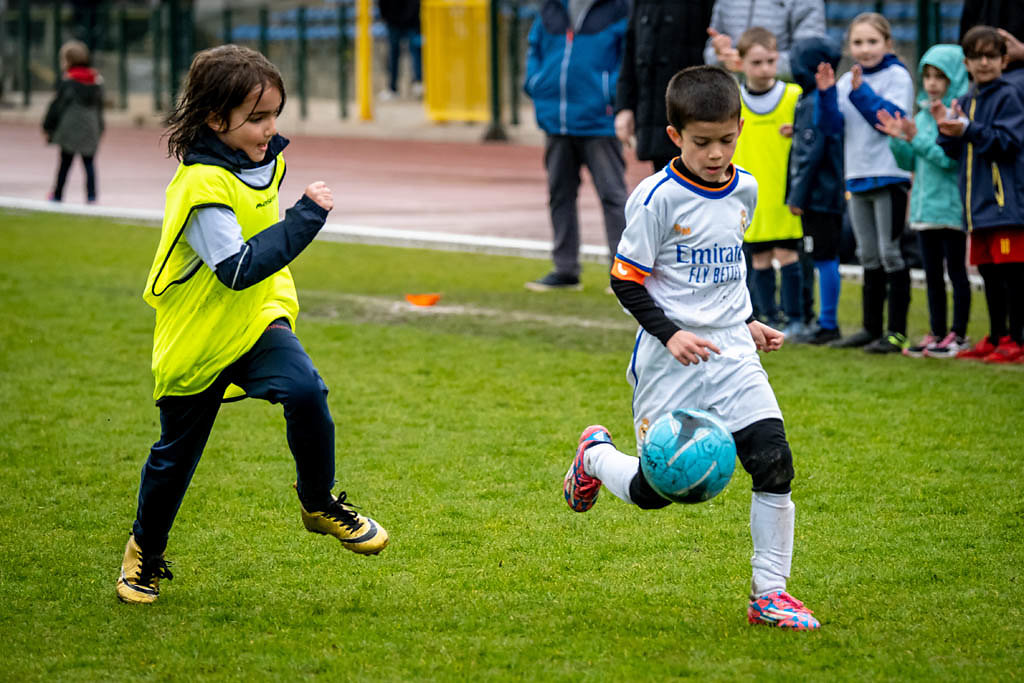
x: 688, y: 456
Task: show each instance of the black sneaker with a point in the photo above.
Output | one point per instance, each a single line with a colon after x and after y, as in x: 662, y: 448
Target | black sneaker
x: 821, y: 335
x: 855, y: 340
x: 893, y: 342
x: 555, y: 280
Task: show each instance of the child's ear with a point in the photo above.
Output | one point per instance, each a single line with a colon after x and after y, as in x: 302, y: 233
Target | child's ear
x: 739, y: 128
x: 216, y: 123
x: 674, y: 135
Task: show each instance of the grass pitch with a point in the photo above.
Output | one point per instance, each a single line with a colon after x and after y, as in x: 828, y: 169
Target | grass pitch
x: 455, y: 427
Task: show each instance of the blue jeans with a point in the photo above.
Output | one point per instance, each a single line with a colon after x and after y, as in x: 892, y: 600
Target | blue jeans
x: 276, y: 369
x: 413, y: 38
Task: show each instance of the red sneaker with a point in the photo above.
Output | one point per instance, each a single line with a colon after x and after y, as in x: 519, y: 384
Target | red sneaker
x: 1008, y: 351
x: 581, y: 489
x: 981, y: 349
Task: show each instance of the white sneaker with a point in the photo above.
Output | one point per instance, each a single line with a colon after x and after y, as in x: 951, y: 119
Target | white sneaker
x: 948, y: 347
x: 387, y: 95
x: 417, y: 90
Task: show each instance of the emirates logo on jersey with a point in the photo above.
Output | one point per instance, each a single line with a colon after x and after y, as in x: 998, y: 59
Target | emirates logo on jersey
x: 681, y: 230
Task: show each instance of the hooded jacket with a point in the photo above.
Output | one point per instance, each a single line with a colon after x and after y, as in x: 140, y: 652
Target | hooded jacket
x: 571, y: 70
x: 663, y: 37
x: 816, y: 157
x: 935, y: 196
x: 991, y: 173
x: 74, y: 119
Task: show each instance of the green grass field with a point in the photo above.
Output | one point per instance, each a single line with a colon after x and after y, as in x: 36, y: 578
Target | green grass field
x: 455, y: 428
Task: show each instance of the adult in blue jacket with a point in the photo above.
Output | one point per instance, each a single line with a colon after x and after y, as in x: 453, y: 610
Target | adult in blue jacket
x: 572, y: 65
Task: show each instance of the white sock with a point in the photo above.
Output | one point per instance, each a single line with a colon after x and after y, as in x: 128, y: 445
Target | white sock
x: 614, y: 468
x: 771, y: 528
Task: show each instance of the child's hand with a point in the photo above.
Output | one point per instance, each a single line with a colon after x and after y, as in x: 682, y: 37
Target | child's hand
x: 724, y: 51
x: 896, y: 126
x: 951, y: 127
x: 321, y: 194
x: 938, y: 111
x: 1014, y: 48
x: 765, y: 338
x: 795, y: 210
x: 858, y: 76
x: 625, y: 127
x: 825, y: 76
x: 786, y: 130
x: 686, y: 347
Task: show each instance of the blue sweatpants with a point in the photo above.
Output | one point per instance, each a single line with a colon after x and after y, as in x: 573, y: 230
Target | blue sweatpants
x: 276, y: 369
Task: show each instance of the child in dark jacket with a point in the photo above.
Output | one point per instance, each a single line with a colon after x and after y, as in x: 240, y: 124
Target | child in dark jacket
x: 74, y: 119
x: 985, y: 132
x: 815, y: 183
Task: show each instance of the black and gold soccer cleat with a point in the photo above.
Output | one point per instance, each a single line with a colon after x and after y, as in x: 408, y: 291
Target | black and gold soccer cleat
x: 357, y: 533
x: 140, y: 575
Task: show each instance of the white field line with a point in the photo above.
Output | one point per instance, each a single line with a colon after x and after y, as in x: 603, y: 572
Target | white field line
x: 391, y: 237
x: 404, y: 308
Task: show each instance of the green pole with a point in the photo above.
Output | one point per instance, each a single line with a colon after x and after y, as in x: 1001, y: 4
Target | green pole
x: 343, y: 60
x: 56, y: 42
x: 513, y: 63
x: 174, y: 47
x: 495, y: 132
x: 226, y: 18
x: 157, y: 29
x: 923, y: 34
x: 301, y: 26
x: 24, y: 27
x: 265, y: 32
x: 122, y: 56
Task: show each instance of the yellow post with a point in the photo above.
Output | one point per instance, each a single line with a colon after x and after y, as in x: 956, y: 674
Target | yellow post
x: 364, y: 51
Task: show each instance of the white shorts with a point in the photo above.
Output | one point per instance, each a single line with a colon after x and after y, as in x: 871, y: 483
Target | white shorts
x: 731, y: 386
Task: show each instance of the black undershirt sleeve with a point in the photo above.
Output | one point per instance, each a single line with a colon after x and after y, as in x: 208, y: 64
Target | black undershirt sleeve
x: 635, y: 298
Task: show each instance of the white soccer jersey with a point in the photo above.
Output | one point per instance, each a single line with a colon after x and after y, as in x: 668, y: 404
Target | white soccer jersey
x: 684, y: 243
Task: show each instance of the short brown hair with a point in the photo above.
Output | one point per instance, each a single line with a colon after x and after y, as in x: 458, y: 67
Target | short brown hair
x: 74, y: 53
x: 756, y: 35
x: 980, y: 37
x: 702, y: 93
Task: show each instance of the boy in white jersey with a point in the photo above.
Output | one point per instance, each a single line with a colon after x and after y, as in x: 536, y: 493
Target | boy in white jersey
x: 679, y: 269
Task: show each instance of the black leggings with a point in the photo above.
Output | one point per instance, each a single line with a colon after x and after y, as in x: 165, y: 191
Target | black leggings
x: 944, y: 250
x: 1003, y: 284
x: 66, y: 158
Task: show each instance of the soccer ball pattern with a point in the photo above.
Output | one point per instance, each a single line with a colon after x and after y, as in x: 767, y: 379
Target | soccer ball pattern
x: 688, y: 456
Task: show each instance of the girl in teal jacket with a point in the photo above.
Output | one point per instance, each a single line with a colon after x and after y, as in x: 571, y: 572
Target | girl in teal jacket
x: 936, y: 211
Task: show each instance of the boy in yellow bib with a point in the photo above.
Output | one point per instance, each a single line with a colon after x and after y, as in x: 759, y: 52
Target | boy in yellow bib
x: 226, y: 306
x: 769, y: 106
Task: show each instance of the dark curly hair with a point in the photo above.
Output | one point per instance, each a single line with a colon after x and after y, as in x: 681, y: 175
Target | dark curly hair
x: 218, y: 81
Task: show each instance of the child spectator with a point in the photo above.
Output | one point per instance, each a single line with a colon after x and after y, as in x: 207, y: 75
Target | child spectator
x: 877, y: 186
x: 571, y: 69
x: 815, y: 191
x: 774, y: 233
x: 985, y: 132
x: 74, y: 119
x: 679, y: 270
x: 936, y: 211
x: 226, y: 307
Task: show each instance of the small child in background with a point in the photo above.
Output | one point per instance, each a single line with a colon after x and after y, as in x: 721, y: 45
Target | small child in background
x: 878, y: 187
x: 763, y: 150
x: 988, y: 141
x: 815, y: 191
x: 74, y: 119
x: 936, y: 211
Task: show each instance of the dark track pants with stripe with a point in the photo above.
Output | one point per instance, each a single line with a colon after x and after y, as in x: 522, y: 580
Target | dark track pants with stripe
x: 276, y: 369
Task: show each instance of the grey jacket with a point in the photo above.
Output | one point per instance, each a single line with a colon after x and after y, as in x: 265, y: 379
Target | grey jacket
x: 789, y: 20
